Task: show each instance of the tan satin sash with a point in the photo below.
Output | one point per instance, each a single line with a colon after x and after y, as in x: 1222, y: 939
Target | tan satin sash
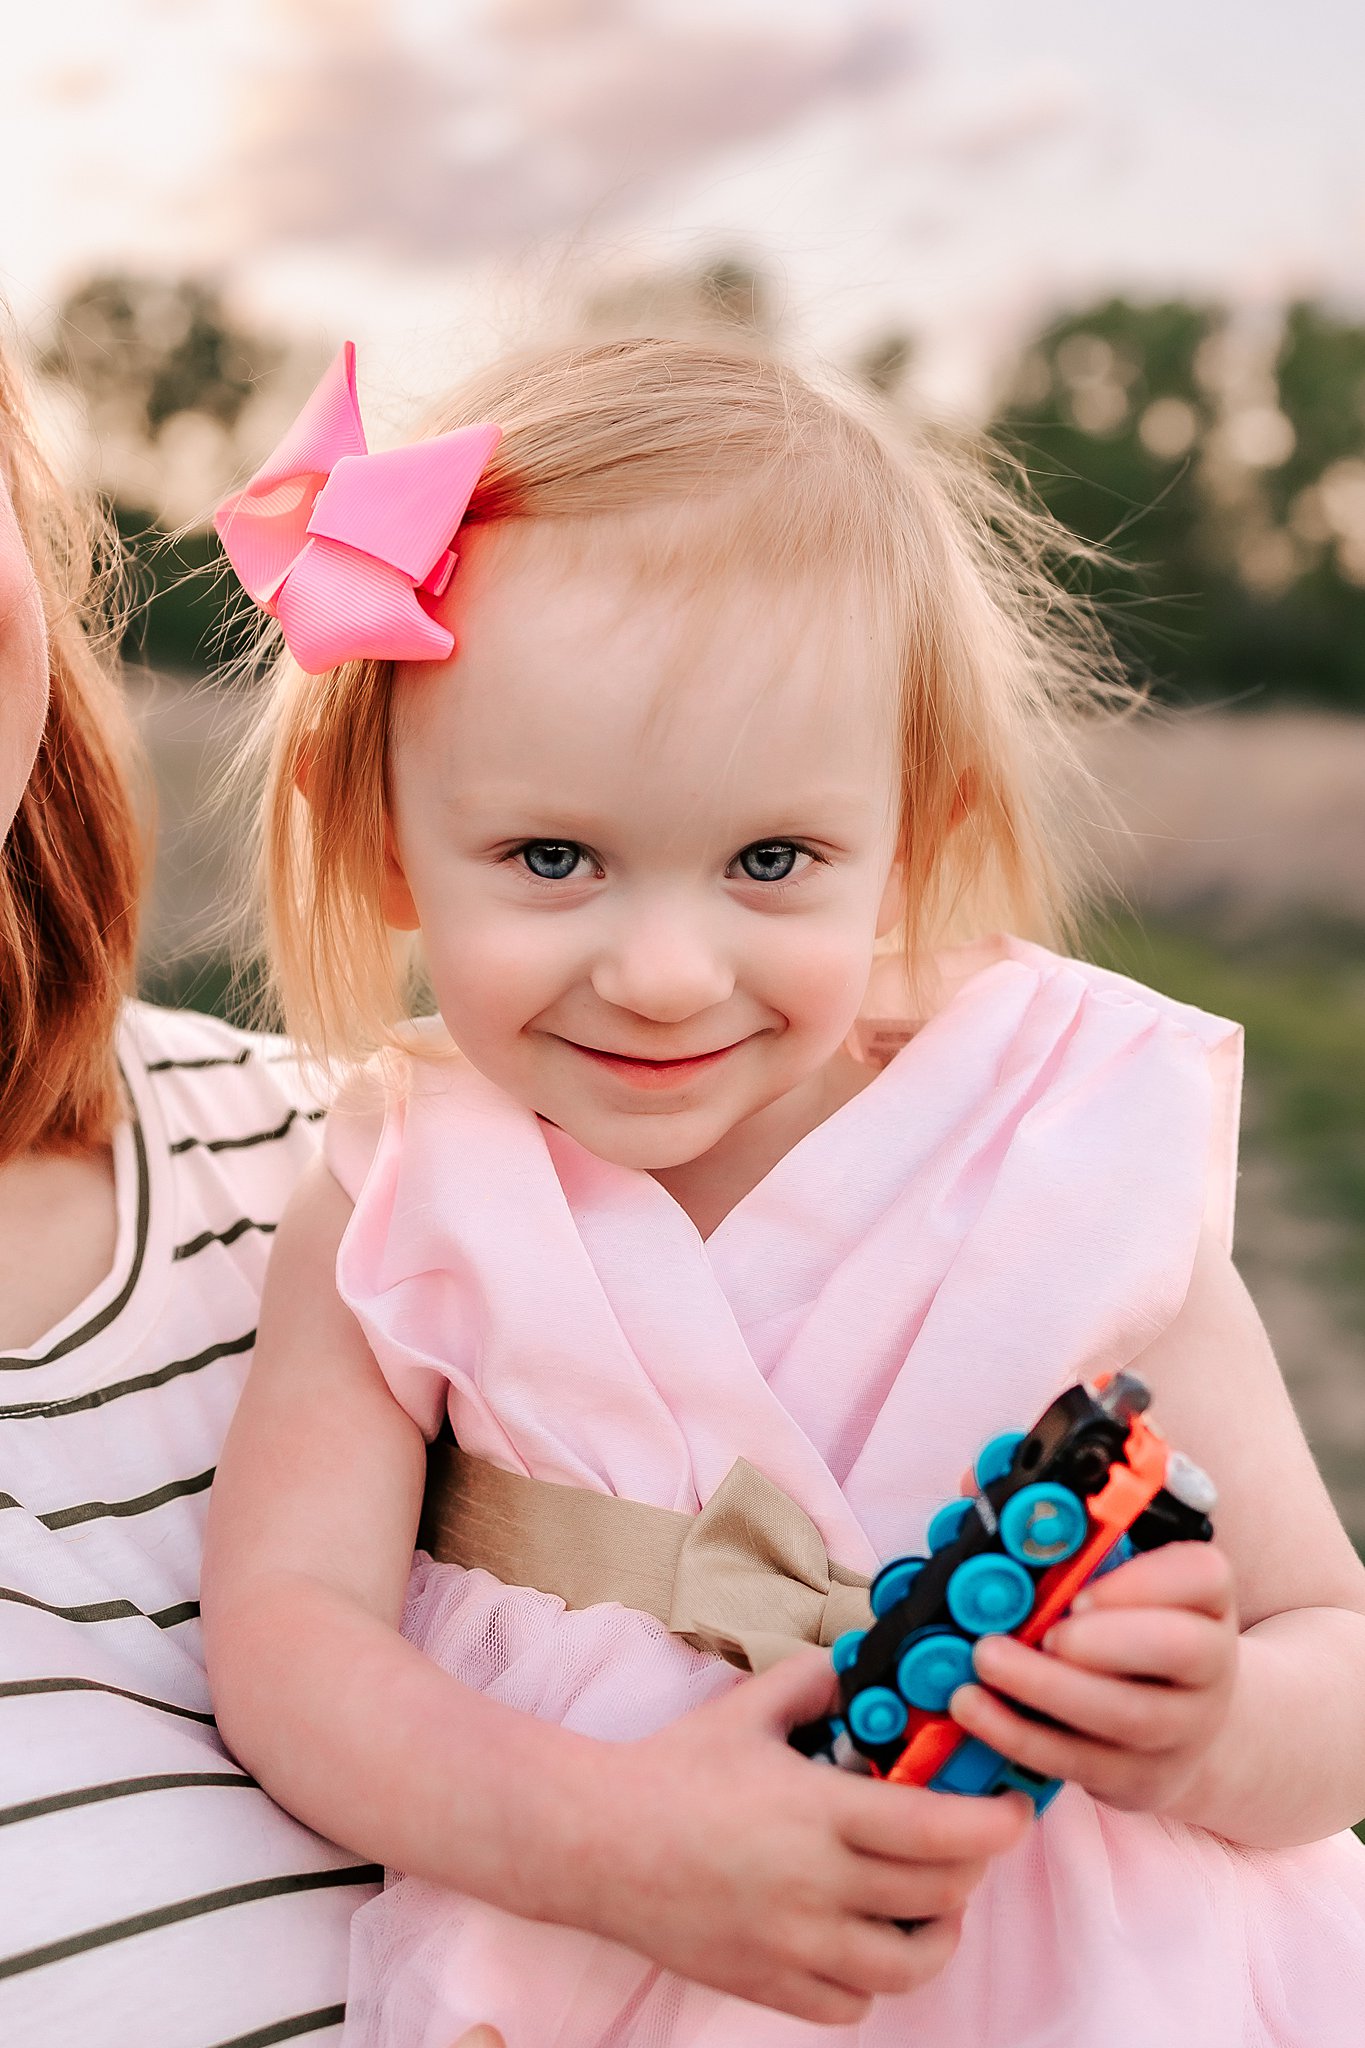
x: 748, y: 1577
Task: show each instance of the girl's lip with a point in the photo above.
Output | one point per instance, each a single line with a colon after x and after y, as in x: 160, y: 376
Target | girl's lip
x: 643, y: 1073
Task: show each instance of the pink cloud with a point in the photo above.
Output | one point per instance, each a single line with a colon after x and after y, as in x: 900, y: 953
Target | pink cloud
x: 533, y: 119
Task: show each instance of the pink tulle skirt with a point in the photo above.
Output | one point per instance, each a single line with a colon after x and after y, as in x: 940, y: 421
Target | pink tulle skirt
x: 1100, y: 1930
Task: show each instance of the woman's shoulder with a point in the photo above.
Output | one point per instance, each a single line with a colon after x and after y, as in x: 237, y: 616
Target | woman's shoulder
x: 219, y: 1107
x: 189, y: 1041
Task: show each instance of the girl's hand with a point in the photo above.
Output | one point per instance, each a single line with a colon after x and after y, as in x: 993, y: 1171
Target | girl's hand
x: 728, y: 1857
x: 1139, y: 1676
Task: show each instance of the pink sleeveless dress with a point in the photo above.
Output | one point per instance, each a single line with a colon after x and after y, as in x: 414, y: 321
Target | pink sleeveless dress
x: 1012, y: 1203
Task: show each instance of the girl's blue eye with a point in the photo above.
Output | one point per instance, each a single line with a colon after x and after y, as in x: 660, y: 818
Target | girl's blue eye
x: 771, y: 860
x: 553, y: 860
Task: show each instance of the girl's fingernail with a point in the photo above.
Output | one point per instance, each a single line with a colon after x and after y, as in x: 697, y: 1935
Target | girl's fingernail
x: 1081, y: 1602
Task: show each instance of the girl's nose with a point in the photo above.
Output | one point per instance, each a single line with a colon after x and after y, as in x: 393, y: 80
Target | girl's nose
x: 662, y: 968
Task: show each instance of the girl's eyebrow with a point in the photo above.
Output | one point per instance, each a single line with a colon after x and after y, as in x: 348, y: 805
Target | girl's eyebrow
x: 828, y: 815
x: 508, y: 815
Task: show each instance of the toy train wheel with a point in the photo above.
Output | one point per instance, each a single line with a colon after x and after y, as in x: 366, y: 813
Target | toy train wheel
x: 877, y: 1715
x: 947, y: 1523
x: 932, y: 1669
x: 990, y: 1595
x: 843, y: 1651
x: 1040, y: 1525
x: 893, y: 1582
x: 995, y: 1458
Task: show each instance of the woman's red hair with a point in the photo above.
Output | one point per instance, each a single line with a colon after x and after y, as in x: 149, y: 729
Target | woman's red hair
x: 71, y: 866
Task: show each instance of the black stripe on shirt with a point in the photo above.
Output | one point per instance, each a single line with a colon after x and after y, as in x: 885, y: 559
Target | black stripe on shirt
x: 111, y: 1309
x: 230, y: 1347
x: 290, y: 2029
x: 185, y: 1909
x: 122, y: 1788
x: 105, y: 1610
x: 29, y: 1688
x: 123, y: 1510
x: 171, y: 1617
x: 228, y: 1236
x: 97, y: 1510
x: 309, y: 1116
x: 236, y: 1059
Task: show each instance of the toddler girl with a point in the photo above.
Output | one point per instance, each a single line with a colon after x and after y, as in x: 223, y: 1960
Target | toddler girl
x: 765, y: 1181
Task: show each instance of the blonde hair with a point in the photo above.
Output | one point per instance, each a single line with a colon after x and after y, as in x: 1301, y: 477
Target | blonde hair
x: 772, y: 473
x: 71, y: 865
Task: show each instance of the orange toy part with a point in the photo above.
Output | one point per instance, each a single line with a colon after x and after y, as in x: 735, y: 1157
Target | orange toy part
x: 932, y: 1738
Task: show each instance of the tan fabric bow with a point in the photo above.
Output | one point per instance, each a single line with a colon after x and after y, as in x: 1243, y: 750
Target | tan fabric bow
x: 748, y: 1577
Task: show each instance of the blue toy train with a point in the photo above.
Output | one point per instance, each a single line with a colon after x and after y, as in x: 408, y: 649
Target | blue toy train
x: 1088, y: 1486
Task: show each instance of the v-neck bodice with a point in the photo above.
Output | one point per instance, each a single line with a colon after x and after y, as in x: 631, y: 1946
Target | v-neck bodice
x: 1014, y: 1199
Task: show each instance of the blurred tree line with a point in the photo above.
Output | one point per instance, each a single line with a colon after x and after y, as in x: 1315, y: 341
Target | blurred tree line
x: 1221, y: 460
x: 1217, y: 458
x: 168, y: 381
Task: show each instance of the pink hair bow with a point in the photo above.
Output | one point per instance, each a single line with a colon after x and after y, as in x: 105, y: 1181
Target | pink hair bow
x: 342, y: 546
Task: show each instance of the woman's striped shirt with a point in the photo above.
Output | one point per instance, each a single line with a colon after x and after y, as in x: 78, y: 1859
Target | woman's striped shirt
x: 151, y: 1896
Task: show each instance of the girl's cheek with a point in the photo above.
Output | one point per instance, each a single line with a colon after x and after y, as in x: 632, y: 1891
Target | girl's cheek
x: 827, y: 972
x: 503, y: 972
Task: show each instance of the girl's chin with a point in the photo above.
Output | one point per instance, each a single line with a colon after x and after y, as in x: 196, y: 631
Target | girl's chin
x: 645, y: 1144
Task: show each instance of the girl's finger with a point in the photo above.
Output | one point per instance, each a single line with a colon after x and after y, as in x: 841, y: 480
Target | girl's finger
x: 908, y: 1825
x: 480, y: 2037
x: 797, y: 1689
x: 1173, y: 1643
x: 1127, y: 1713
x: 1051, y: 1752
x: 1191, y: 1575
x: 807, y: 1997
x: 872, y: 1956
x: 881, y: 1888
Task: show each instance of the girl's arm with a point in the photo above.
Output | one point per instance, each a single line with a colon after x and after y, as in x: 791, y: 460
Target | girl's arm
x: 711, y: 1847
x: 1259, y: 1736
x: 312, y: 1525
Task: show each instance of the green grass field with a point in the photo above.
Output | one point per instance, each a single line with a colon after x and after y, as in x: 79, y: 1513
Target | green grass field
x: 1299, y: 992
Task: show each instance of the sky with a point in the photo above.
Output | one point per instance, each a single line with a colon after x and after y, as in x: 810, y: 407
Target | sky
x: 414, y: 173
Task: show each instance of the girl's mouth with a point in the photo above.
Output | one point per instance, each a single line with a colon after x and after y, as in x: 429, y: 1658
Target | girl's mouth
x: 642, y: 1073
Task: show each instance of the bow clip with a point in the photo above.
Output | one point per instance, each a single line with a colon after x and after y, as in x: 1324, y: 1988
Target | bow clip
x: 342, y: 546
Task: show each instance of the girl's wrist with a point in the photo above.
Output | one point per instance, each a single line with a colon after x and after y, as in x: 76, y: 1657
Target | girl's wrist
x: 1212, y: 1791
x: 562, y: 1831
x: 1284, y: 1767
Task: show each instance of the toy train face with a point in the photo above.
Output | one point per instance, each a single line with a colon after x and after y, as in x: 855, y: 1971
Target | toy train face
x: 1088, y: 1486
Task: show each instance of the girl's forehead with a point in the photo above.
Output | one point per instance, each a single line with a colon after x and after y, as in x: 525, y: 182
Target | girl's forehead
x: 556, y: 620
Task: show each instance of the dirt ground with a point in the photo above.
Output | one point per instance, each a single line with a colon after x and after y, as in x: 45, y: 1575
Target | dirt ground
x: 1254, y: 817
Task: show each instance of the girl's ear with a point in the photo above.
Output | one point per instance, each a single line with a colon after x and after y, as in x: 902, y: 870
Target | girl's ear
x: 395, y: 897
